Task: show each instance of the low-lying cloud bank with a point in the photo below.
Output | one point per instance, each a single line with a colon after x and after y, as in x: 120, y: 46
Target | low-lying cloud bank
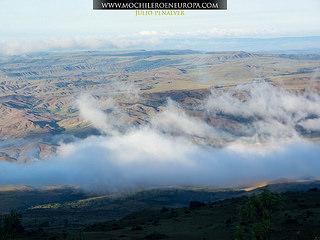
x: 152, y: 40
x: 178, y: 149
x: 149, y: 159
x: 26, y: 46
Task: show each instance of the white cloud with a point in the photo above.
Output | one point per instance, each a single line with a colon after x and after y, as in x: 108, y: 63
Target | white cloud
x: 311, y: 124
x: 174, y: 120
x: 273, y: 112
x: 148, y: 33
x: 90, y: 111
x: 164, y: 152
x: 24, y: 46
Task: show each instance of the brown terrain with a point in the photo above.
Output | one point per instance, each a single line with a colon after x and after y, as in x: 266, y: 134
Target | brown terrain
x: 38, y: 92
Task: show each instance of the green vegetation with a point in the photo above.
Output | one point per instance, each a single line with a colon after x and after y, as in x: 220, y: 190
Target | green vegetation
x: 262, y: 215
x: 256, y: 216
x: 10, y: 226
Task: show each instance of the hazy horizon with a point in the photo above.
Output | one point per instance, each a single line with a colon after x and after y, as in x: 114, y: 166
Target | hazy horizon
x: 54, y: 25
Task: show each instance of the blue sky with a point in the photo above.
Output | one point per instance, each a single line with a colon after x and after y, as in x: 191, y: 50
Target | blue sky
x: 37, y: 25
x: 38, y: 18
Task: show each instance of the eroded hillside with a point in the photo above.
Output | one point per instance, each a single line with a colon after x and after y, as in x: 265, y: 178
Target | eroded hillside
x: 39, y: 92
